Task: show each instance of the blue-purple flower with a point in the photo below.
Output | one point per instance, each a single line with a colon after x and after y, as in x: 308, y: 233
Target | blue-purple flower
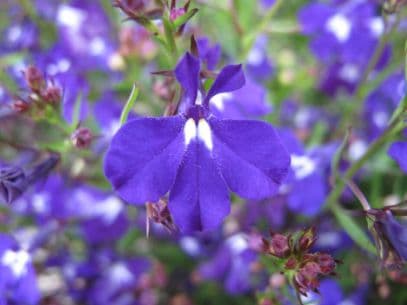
x: 195, y: 156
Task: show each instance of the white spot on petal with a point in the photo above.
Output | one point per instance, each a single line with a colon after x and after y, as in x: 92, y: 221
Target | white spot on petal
x: 349, y: 73
x: 340, y: 26
x: 70, y: 16
x: 302, y: 166
x: 190, y: 245
x: 357, y: 149
x: 97, y: 46
x: 376, y: 26
x: 190, y: 131
x: 17, y: 261
x: 380, y: 118
x: 219, y: 100
x: 14, y: 33
x: 120, y: 274
x: 255, y: 57
x: 198, y: 100
x: 205, y: 133
x: 237, y: 243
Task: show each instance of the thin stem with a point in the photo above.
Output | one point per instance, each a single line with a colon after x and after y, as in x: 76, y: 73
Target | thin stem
x: 393, y: 129
x: 378, y: 52
x: 250, y: 38
x: 359, y: 195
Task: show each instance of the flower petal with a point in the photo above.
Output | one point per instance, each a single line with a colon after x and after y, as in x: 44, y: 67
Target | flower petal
x: 398, y: 152
x: 143, y: 158
x: 251, y: 157
x: 229, y: 79
x: 187, y: 74
x: 199, y: 199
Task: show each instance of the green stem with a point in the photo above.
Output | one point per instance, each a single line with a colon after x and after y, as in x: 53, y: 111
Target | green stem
x: 378, y: 53
x: 250, y: 38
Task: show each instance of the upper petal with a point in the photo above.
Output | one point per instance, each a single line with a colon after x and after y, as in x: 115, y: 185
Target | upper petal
x: 229, y: 79
x: 143, y: 158
x: 199, y: 199
x: 187, y: 73
x: 251, y: 157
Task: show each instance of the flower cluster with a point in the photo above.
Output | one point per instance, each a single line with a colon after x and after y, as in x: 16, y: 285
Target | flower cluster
x: 303, y: 267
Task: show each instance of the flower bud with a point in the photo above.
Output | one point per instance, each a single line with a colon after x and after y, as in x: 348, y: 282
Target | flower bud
x: 12, y: 183
x: 326, y: 263
x: 34, y: 78
x: 279, y: 246
x: 307, y: 239
x: 20, y: 106
x: 176, y: 12
x: 82, y: 138
x: 52, y: 95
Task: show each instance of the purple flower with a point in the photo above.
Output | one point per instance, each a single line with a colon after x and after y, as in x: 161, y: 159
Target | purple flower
x: 196, y: 157
x: 381, y: 103
x: 210, y: 55
x: 231, y: 265
x: 307, y: 173
x: 17, y: 282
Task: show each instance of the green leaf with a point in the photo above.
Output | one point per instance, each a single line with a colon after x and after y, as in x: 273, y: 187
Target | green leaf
x: 353, y: 229
x: 129, y: 104
x: 181, y: 20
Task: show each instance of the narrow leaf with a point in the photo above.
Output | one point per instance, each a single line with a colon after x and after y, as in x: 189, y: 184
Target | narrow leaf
x: 129, y: 104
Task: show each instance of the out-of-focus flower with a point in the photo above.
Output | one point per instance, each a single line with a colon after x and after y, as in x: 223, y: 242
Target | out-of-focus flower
x: 18, y: 281
x: 14, y: 180
x: 231, y: 265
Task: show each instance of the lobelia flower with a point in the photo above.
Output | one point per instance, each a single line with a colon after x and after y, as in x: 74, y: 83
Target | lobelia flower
x: 209, y: 54
x: 381, y: 103
x: 259, y: 66
x: 195, y: 156
x: 343, y: 36
x: 308, y: 172
x: 231, y: 265
x: 18, y: 281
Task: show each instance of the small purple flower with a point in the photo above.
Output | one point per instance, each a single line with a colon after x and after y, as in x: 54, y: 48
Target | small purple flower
x: 17, y: 282
x: 231, y: 265
x: 209, y: 54
x: 196, y: 157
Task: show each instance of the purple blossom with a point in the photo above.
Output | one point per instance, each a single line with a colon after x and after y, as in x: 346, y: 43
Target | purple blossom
x: 18, y: 281
x: 209, y: 54
x: 231, y: 265
x: 195, y: 156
